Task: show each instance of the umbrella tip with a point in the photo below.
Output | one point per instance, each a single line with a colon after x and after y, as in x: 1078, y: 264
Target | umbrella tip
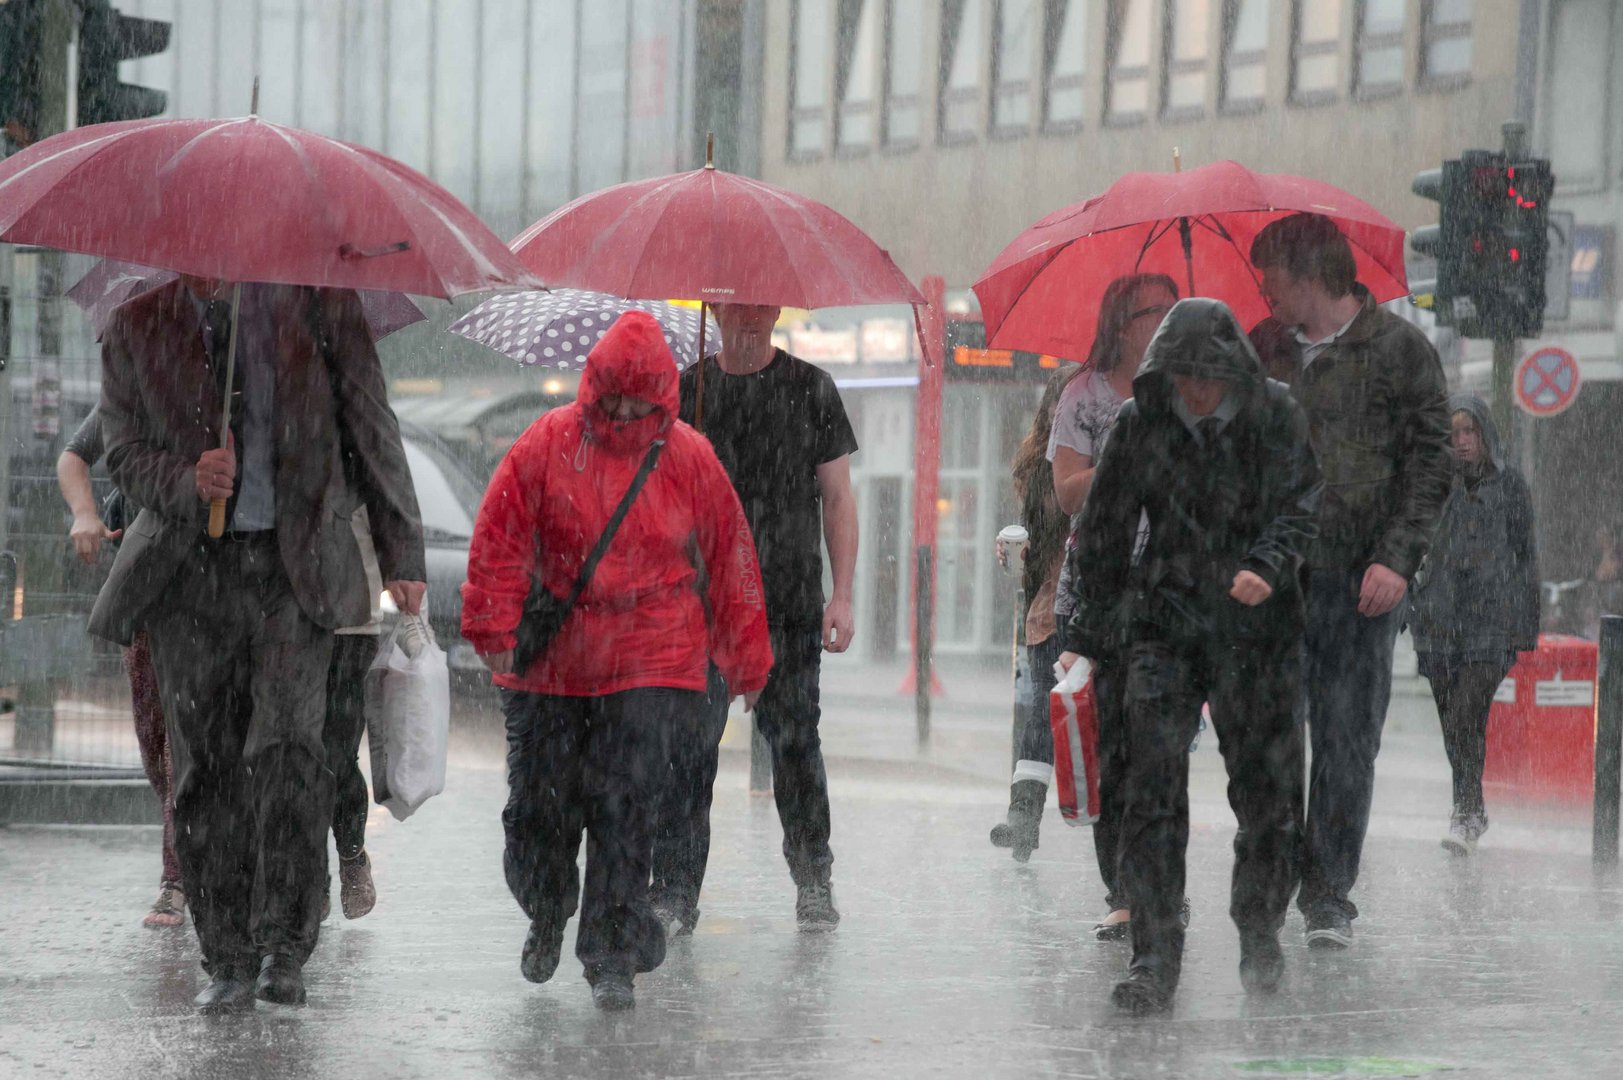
x: 1177, y: 159
x: 253, y: 106
x: 710, y: 150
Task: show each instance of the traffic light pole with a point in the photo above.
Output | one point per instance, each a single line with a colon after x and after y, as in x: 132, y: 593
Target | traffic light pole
x: 1514, y: 135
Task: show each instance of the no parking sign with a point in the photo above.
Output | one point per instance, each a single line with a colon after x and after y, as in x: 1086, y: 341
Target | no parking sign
x: 1547, y: 381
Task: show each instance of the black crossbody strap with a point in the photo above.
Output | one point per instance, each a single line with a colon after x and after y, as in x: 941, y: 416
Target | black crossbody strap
x: 590, y: 566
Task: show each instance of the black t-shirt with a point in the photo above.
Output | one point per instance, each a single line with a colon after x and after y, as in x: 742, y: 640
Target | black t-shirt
x: 771, y: 430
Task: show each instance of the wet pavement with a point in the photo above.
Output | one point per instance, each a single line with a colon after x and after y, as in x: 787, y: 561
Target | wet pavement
x: 951, y: 961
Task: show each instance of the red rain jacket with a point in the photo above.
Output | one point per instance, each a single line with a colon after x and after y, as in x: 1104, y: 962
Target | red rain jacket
x: 642, y: 621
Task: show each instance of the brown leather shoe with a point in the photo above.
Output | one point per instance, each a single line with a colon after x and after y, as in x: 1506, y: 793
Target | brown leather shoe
x: 356, y: 893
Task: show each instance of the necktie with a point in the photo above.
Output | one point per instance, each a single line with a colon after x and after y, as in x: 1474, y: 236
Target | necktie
x: 1210, y: 428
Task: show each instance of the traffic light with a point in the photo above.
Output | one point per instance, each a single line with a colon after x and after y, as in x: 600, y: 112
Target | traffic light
x: 1490, y: 243
x: 20, y: 69
x: 106, y: 38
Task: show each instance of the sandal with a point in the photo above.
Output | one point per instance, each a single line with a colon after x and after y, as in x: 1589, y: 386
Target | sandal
x: 1112, y: 927
x: 169, y: 909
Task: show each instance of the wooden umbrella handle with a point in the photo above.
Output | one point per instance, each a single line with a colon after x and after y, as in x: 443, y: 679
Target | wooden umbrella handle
x: 216, y: 518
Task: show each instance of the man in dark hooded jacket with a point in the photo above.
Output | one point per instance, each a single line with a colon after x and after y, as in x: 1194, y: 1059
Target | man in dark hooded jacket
x: 1217, y: 457
x: 1475, y: 604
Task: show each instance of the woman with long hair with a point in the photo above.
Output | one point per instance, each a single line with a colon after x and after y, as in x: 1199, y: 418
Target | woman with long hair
x: 1054, y: 470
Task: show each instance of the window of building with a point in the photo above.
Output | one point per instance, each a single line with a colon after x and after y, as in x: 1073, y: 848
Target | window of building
x: 1184, y: 65
x: 963, y: 40
x: 1245, y: 54
x: 808, y: 75
x: 1128, y: 89
x: 1445, y: 42
x: 1380, y: 47
x: 1315, y: 51
x: 857, y: 76
x: 903, y: 71
x: 1064, y: 63
x: 1014, y: 55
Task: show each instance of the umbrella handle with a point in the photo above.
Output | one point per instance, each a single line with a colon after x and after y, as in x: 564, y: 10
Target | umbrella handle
x: 698, y: 388
x: 217, y: 506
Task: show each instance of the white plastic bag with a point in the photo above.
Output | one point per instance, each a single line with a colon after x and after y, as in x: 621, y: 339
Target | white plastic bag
x: 408, y: 717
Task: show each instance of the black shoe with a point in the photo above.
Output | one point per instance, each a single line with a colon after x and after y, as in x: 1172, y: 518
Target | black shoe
x: 281, y: 980
x: 541, y: 949
x: 612, y: 993
x: 227, y: 992
x: 1262, y: 962
x: 1329, y: 929
x: 1113, y: 931
x: 1142, y: 994
x: 814, y: 907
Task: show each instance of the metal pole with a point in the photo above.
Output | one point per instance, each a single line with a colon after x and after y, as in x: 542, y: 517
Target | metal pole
x: 1608, y: 740
x: 923, y: 652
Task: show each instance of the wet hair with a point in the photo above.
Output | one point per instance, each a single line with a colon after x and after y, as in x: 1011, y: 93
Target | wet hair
x: 1307, y: 246
x: 1115, y: 312
x: 1032, y: 456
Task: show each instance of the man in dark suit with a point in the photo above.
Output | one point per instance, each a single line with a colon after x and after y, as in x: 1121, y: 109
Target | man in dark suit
x: 241, y: 626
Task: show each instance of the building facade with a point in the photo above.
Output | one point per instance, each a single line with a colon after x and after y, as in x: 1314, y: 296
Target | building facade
x: 945, y: 127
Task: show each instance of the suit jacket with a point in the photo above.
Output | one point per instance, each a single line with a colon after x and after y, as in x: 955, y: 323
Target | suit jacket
x: 337, y: 445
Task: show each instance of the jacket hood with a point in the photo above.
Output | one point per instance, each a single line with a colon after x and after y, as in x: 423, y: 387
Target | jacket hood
x: 1478, y: 409
x: 631, y: 360
x: 1200, y: 337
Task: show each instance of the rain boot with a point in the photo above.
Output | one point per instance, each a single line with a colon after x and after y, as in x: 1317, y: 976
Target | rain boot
x: 1026, y: 801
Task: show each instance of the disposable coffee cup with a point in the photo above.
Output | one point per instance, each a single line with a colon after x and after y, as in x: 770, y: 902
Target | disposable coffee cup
x: 1010, y: 541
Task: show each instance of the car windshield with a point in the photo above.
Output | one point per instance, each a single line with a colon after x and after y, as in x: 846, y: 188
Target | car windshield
x: 447, y: 499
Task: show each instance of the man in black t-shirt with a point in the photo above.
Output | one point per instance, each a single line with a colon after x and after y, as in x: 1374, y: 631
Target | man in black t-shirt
x: 780, y: 429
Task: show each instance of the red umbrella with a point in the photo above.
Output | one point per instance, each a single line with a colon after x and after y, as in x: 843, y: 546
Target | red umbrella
x: 715, y: 237
x: 248, y: 200
x: 110, y: 284
x: 1042, y: 293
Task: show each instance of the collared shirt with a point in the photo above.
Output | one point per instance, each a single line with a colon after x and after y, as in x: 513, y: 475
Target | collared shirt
x: 255, y: 376
x: 1311, y: 349
x: 1226, y: 410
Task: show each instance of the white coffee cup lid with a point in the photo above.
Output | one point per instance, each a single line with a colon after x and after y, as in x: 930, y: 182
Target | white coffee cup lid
x: 1014, y: 534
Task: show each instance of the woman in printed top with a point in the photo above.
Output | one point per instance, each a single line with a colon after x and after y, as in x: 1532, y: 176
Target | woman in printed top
x: 590, y: 722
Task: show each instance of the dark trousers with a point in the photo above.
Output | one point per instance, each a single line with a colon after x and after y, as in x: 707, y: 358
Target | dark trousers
x: 1036, y: 740
x: 1346, y: 686
x: 352, y: 654
x: 1464, y: 694
x: 1108, y: 690
x: 592, y: 764
x: 243, y: 674
x: 1251, y: 688
x: 786, y: 715
x: 682, y: 831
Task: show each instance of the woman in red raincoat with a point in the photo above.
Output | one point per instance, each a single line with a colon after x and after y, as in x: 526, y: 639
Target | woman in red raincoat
x: 590, y: 722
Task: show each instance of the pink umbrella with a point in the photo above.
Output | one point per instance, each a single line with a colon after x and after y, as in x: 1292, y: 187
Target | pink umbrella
x: 110, y: 284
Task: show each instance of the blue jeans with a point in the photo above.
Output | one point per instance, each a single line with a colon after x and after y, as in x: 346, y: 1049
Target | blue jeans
x: 1346, y: 687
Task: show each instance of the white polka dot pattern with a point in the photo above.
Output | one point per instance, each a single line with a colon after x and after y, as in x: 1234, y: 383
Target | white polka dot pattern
x: 557, y: 329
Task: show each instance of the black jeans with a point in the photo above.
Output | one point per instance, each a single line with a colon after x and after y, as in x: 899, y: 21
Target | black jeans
x: 1346, y: 687
x: 1251, y: 688
x: 682, y: 832
x: 352, y: 655
x: 592, y: 764
x: 786, y: 715
x: 1109, y: 686
x: 243, y: 675
x: 1036, y: 741
x: 1464, y: 694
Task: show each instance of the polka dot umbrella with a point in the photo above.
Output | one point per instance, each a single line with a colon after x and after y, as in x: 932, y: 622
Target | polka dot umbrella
x: 557, y: 329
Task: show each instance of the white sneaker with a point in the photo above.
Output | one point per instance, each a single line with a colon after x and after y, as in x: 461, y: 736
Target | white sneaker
x: 1463, y: 833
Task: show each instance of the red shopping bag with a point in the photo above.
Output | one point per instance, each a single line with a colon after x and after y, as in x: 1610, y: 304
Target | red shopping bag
x: 1073, y: 713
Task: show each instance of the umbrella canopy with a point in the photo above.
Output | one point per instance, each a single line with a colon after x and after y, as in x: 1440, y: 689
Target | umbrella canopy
x: 716, y: 237
x: 1042, y: 293
x: 110, y: 284
x: 248, y: 200
x: 557, y: 329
